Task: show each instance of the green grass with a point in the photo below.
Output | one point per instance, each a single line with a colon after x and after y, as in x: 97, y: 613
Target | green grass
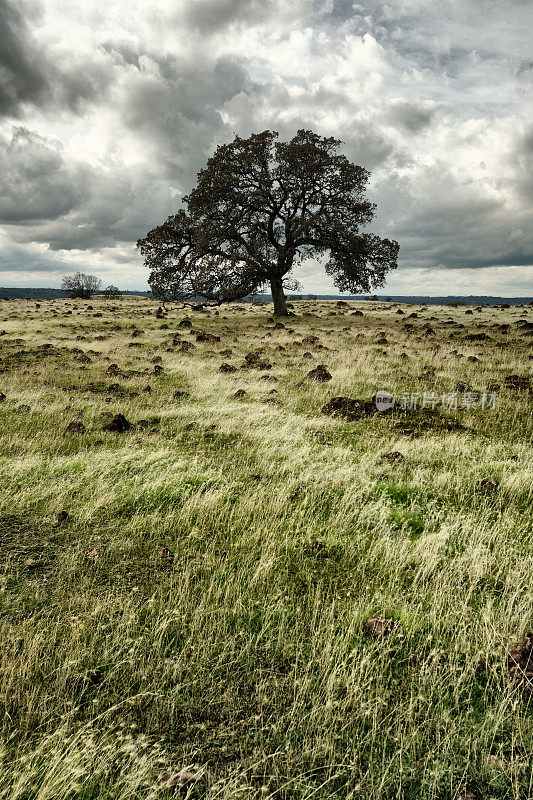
x: 179, y: 618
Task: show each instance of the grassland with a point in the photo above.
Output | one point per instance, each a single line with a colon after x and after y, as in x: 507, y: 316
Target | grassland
x: 190, y: 593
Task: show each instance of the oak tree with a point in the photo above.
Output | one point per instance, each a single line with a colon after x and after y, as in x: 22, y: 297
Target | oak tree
x: 260, y: 208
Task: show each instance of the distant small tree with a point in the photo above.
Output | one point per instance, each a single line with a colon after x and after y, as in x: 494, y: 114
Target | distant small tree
x: 80, y: 285
x: 112, y: 292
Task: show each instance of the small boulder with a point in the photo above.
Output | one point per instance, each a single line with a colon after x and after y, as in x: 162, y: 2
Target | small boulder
x: 519, y: 663
x: 378, y: 627
x: 116, y: 424
x: 76, y: 426
x: 349, y: 408
x: 393, y: 457
x: 319, y: 374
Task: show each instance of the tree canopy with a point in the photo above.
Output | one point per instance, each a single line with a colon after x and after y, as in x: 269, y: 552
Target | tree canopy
x: 80, y: 285
x: 261, y: 207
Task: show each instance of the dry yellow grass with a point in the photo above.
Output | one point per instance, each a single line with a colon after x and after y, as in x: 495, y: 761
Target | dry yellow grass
x: 200, y: 607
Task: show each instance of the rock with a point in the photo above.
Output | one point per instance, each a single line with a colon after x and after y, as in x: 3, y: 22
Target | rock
x: 239, y: 393
x: 487, y: 486
x: 113, y: 369
x: 393, y: 457
x: 76, y: 426
x: 357, y: 313
x: 252, y: 357
x: 378, y: 627
x: 157, y: 370
x: 317, y: 549
x: 227, y: 368
x: 349, y: 408
x: 2, y: 397
x: 473, y: 359
x: 320, y: 374
x: 116, y: 424
x: 519, y: 663
x: 517, y: 382
x: 208, y: 338
x: 185, y: 323
x: 309, y: 341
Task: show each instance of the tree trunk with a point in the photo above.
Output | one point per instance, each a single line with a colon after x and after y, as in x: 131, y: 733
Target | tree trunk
x: 278, y: 296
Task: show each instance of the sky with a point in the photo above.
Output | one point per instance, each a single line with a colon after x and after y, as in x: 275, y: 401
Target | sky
x: 108, y: 109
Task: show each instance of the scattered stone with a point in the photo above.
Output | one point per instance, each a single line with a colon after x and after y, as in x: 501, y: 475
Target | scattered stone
x: 518, y: 382
x: 319, y: 374
x: 487, y: 486
x: 252, y: 357
x: 271, y: 378
x: 349, y: 408
x: 227, y: 368
x: 76, y: 426
x: 113, y: 369
x: 393, y: 457
x: 157, y: 370
x: 473, y: 359
x: 239, y: 393
x: 116, y: 424
x: 519, y: 663
x: 92, y: 555
x: 357, y: 313
x: 30, y: 562
x: 185, y: 323
x: 378, y: 627
x: 309, y: 341
x: 208, y: 338
x: 317, y: 549
x: 165, y: 554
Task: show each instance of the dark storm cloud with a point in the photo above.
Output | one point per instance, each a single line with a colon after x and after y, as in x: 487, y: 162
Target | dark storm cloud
x: 32, y: 75
x: 36, y: 183
x: 21, y: 63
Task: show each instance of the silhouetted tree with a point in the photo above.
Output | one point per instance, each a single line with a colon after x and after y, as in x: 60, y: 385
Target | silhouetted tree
x: 260, y: 207
x: 80, y: 285
x: 112, y: 291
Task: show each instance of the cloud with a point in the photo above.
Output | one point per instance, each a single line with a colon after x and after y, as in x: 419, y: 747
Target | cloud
x: 110, y: 109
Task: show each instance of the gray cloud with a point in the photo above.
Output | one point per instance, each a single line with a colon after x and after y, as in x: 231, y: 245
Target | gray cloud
x: 21, y: 68
x: 103, y: 131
